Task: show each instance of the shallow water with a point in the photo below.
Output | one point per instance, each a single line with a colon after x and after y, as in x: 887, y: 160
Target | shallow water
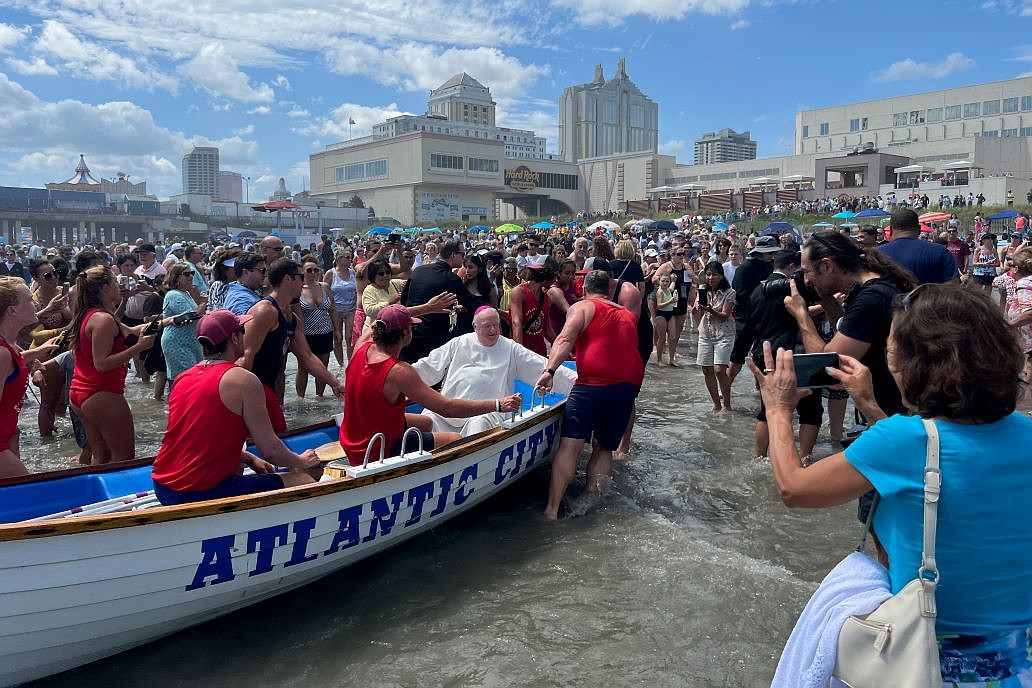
x: 689, y: 573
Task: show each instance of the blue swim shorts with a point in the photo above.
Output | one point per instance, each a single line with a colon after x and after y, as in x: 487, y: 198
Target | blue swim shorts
x: 603, y: 411
x: 233, y: 486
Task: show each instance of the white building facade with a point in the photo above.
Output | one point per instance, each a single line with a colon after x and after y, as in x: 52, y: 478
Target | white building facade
x: 201, y: 171
x: 231, y: 186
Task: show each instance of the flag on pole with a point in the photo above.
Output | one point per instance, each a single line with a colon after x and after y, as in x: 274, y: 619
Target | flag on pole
x: 350, y: 121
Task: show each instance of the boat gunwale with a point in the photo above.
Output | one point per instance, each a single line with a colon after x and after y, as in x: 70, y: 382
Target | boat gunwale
x: 162, y: 514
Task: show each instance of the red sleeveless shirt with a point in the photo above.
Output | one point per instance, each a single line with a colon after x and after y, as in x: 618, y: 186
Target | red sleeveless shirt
x: 366, y: 412
x: 14, y: 393
x: 204, y: 438
x: 86, y: 378
x: 607, y: 349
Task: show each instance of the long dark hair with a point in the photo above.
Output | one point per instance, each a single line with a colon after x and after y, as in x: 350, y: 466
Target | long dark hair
x: 845, y: 253
x: 483, y: 280
x: 715, y: 267
x: 88, y: 287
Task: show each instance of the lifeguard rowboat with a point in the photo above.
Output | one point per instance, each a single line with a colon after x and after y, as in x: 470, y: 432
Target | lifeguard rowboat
x: 79, y: 585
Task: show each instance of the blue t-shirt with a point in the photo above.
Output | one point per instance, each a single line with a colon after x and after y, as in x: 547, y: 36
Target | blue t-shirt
x: 239, y: 298
x: 984, y: 540
x: 929, y: 262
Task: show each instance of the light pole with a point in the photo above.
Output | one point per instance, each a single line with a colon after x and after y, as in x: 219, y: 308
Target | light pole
x: 247, y: 189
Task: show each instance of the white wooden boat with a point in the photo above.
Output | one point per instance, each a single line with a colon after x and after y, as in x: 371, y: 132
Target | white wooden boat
x: 81, y: 584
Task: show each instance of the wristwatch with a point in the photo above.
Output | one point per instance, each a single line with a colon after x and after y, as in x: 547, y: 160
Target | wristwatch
x: 550, y: 371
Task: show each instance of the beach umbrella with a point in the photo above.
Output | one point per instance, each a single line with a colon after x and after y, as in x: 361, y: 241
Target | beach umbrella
x: 665, y: 225
x: 823, y: 224
x: 542, y: 225
x: 778, y: 227
x: 379, y: 230
x: 509, y: 228
x: 604, y: 225
x: 1003, y: 215
x: 844, y: 215
x: 872, y: 212
x: 929, y: 218
x: 721, y: 227
x: 479, y: 228
x: 849, y: 225
x: 246, y: 233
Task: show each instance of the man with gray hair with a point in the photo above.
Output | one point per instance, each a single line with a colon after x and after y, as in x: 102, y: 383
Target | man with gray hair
x: 482, y: 365
x: 609, y: 377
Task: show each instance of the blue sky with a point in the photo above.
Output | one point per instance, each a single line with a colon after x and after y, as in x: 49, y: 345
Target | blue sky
x: 134, y: 84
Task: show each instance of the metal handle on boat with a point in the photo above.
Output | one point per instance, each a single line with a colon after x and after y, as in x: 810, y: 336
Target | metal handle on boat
x: 404, y: 440
x: 535, y: 394
x: 383, y: 445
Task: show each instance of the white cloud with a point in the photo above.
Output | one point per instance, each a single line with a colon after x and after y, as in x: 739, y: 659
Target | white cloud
x: 260, y: 110
x: 336, y: 127
x: 11, y: 36
x: 244, y: 131
x: 910, y: 69
x: 759, y: 118
x: 614, y: 12
x: 86, y: 60
x: 672, y: 147
x: 298, y: 111
x: 36, y: 67
x: 117, y: 135
x: 740, y: 24
x: 282, y: 82
x: 421, y: 67
x: 215, y: 70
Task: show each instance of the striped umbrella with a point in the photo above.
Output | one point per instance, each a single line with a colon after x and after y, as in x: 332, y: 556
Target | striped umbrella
x: 929, y: 218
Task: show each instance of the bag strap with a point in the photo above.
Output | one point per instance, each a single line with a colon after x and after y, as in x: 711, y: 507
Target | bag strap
x: 928, y: 574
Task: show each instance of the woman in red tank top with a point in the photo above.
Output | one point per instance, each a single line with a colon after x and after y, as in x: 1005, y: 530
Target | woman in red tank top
x: 529, y: 310
x: 17, y: 312
x: 101, y: 355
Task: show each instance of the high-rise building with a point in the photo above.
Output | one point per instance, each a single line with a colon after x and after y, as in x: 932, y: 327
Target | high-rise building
x: 725, y: 145
x: 231, y: 186
x: 201, y: 171
x: 462, y: 99
x: 604, y: 118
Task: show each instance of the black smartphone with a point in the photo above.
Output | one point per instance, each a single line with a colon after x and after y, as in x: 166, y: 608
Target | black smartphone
x: 187, y: 317
x: 151, y: 328
x: 703, y: 296
x: 393, y: 238
x: 809, y: 369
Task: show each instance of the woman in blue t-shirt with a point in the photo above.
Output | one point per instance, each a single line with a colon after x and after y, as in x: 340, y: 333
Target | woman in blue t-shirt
x: 958, y: 362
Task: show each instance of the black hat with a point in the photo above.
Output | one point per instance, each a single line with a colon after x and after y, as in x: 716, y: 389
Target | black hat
x: 765, y: 244
x: 148, y: 248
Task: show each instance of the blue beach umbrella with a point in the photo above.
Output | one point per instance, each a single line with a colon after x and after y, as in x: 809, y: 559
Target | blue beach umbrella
x: 844, y: 215
x: 823, y: 224
x: 541, y: 225
x: 380, y: 230
x: 873, y: 212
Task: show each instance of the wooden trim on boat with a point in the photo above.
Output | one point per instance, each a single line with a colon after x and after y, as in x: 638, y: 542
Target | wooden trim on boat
x: 135, y: 463
x: 69, y: 526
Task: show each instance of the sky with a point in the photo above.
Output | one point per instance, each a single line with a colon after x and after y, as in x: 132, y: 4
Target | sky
x: 132, y: 84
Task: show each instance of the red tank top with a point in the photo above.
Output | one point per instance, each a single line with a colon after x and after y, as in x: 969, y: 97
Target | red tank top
x: 14, y: 394
x: 85, y: 378
x: 534, y: 320
x: 366, y: 412
x: 607, y: 349
x: 202, y: 444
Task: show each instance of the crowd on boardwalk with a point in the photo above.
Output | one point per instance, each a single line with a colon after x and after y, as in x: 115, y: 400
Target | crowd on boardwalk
x: 924, y: 327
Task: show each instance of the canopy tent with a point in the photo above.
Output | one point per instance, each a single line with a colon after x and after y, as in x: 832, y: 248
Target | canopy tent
x: 873, y: 212
x: 1003, y: 215
x: 544, y: 224
x: 660, y: 189
x: 509, y: 228
x: 844, y: 215
x: 794, y: 178
x: 690, y: 187
x: 959, y: 165
x: 909, y: 169
x: 762, y: 181
x: 778, y: 228
x: 278, y: 207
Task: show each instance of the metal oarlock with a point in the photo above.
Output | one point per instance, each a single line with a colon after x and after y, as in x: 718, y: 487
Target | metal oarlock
x: 404, y: 442
x: 383, y: 446
x: 534, y: 394
x: 519, y: 409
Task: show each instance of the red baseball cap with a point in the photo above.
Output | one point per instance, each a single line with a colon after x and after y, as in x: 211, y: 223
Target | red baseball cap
x: 218, y: 326
x: 396, y: 317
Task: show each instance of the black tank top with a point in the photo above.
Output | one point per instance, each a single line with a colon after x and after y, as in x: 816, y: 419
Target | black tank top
x: 269, y: 359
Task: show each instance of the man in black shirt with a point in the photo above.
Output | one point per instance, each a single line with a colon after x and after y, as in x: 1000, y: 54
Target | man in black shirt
x: 754, y: 269
x: 427, y: 282
x: 833, y: 264
x: 769, y: 321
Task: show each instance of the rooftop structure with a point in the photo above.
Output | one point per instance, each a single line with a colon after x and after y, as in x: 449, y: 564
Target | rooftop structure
x: 82, y: 180
x: 725, y: 145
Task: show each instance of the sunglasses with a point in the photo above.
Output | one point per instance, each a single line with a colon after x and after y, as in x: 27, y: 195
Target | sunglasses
x: 908, y: 299
x: 309, y: 271
x: 48, y: 275
x: 187, y: 273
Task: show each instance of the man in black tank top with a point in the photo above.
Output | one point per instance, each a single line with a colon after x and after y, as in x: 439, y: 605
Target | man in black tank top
x: 269, y: 335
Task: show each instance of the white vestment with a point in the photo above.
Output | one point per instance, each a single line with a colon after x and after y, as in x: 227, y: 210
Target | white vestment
x: 471, y: 370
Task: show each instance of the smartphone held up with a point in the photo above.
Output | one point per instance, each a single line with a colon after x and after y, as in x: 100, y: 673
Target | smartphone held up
x: 810, y: 370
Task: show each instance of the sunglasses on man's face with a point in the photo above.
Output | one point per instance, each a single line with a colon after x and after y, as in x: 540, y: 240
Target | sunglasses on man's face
x: 48, y: 275
x: 312, y: 270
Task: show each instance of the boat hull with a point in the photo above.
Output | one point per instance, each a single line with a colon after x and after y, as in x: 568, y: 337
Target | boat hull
x: 77, y: 590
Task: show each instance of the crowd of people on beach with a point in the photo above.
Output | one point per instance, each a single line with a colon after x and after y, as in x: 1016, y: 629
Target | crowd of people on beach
x: 924, y: 325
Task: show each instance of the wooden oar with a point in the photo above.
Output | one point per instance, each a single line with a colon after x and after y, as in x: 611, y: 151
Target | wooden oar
x: 331, y: 451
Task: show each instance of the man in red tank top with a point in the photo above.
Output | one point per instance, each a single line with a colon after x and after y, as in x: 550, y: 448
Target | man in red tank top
x: 217, y: 406
x: 609, y: 377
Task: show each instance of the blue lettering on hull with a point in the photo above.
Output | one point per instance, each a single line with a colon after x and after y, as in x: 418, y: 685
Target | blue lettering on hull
x: 216, y: 565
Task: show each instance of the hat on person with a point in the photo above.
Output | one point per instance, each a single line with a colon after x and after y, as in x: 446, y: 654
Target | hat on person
x: 218, y: 326
x: 765, y: 244
x: 510, y: 261
x: 146, y: 248
x: 594, y: 263
x: 651, y: 253
x: 175, y: 247
x: 396, y: 317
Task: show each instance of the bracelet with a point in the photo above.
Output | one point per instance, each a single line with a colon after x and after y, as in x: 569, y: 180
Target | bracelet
x: 498, y: 406
x: 550, y: 371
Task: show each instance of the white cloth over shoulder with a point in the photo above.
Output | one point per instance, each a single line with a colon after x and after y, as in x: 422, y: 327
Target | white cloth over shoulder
x: 857, y: 585
x: 471, y: 370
